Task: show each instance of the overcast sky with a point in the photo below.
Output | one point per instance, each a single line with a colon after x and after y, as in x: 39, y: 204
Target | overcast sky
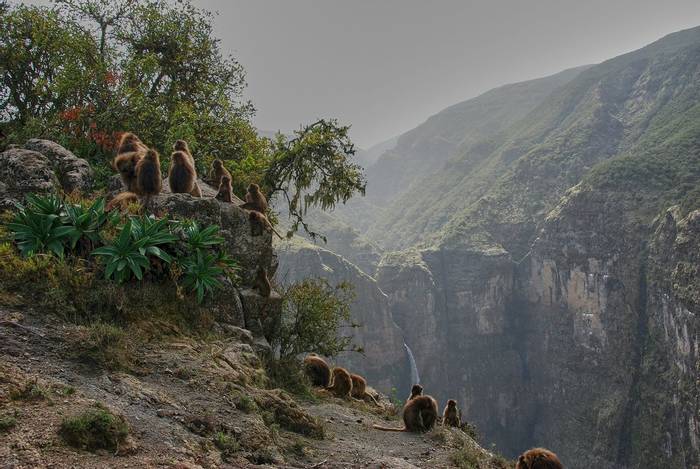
x: 384, y: 66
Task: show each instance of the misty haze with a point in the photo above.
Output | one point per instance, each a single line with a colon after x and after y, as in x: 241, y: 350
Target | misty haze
x: 326, y: 234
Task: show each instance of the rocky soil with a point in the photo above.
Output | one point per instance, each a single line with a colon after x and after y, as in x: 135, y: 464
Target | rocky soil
x: 184, y: 393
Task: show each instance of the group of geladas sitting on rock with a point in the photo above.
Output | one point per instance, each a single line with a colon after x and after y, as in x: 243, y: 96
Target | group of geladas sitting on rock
x: 420, y: 413
x: 139, y: 167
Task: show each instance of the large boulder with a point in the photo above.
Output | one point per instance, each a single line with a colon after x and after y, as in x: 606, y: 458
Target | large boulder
x: 74, y: 174
x: 40, y: 167
x: 23, y: 172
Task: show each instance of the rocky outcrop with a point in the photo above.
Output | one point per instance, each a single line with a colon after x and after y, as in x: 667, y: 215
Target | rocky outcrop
x: 384, y: 362
x: 24, y: 172
x: 46, y: 167
x: 249, y: 246
x: 40, y: 167
x: 75, y: 174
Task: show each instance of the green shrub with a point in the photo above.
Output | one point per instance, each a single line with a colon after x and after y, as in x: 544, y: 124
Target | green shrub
x: 7, y: 423
x: 198, y: 238
x: 86, y: 222
x: 44, y: 204
x: 226, y: 443
x: 48, y: 224
x: 200, y: 274
x: 201, y: 265
x: 313, y: 314
x: 96, y: 428
x: 246, y: 404
x: 129, y: 253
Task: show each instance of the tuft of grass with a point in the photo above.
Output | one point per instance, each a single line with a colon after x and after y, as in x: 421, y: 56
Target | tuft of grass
x: 288, y: 374
x: 501, y: 463
x: 183, y: 372
x: 470, y: 430
x: 298, y: 448
x: 96, y: 428
x: 7, y: 423
x: 263, y: 456
x: 32, y: 391
x: 246, y: 404
x: 466, y: 457
x: 394, y: 399
x: 106, y: 345
x: 63, y: 390
x: 281, y: 409
x: 226, y: 443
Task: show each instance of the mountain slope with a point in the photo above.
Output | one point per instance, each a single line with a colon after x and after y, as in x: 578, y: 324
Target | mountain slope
x: 562, y: 261
x: 368, y: 157
x: 430, y: 144
x: 518, y: 175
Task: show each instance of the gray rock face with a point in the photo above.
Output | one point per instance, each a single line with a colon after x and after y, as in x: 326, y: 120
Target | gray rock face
x: 252, y: 248
x: 384, y: 363
x: 262, y: 315
x: 74, y: 173
x: 23, y: 172
x: 40, y: 167
x: 230, y: 310
x: 589, y: 345
x: 453, y: 308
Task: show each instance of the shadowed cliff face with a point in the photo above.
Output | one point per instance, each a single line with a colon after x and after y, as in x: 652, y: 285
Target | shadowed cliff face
x: 573, y: 347
x: 384, y: 362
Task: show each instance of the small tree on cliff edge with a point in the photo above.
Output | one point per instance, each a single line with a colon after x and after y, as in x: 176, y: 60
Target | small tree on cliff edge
x: 314, y: 169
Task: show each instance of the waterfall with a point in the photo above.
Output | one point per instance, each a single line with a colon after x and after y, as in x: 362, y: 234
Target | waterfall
x: 415, y: 377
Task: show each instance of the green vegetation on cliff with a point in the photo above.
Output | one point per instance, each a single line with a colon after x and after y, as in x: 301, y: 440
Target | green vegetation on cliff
x: 621, y: 121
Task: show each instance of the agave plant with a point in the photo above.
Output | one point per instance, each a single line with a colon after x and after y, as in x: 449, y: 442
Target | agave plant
x: 156, y: 232
x: 38, y: 232
x: 44, y: 204
x: 201, y: 238
x: 200, y: 273
x: 86, y: 223
x: 128, y: 254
